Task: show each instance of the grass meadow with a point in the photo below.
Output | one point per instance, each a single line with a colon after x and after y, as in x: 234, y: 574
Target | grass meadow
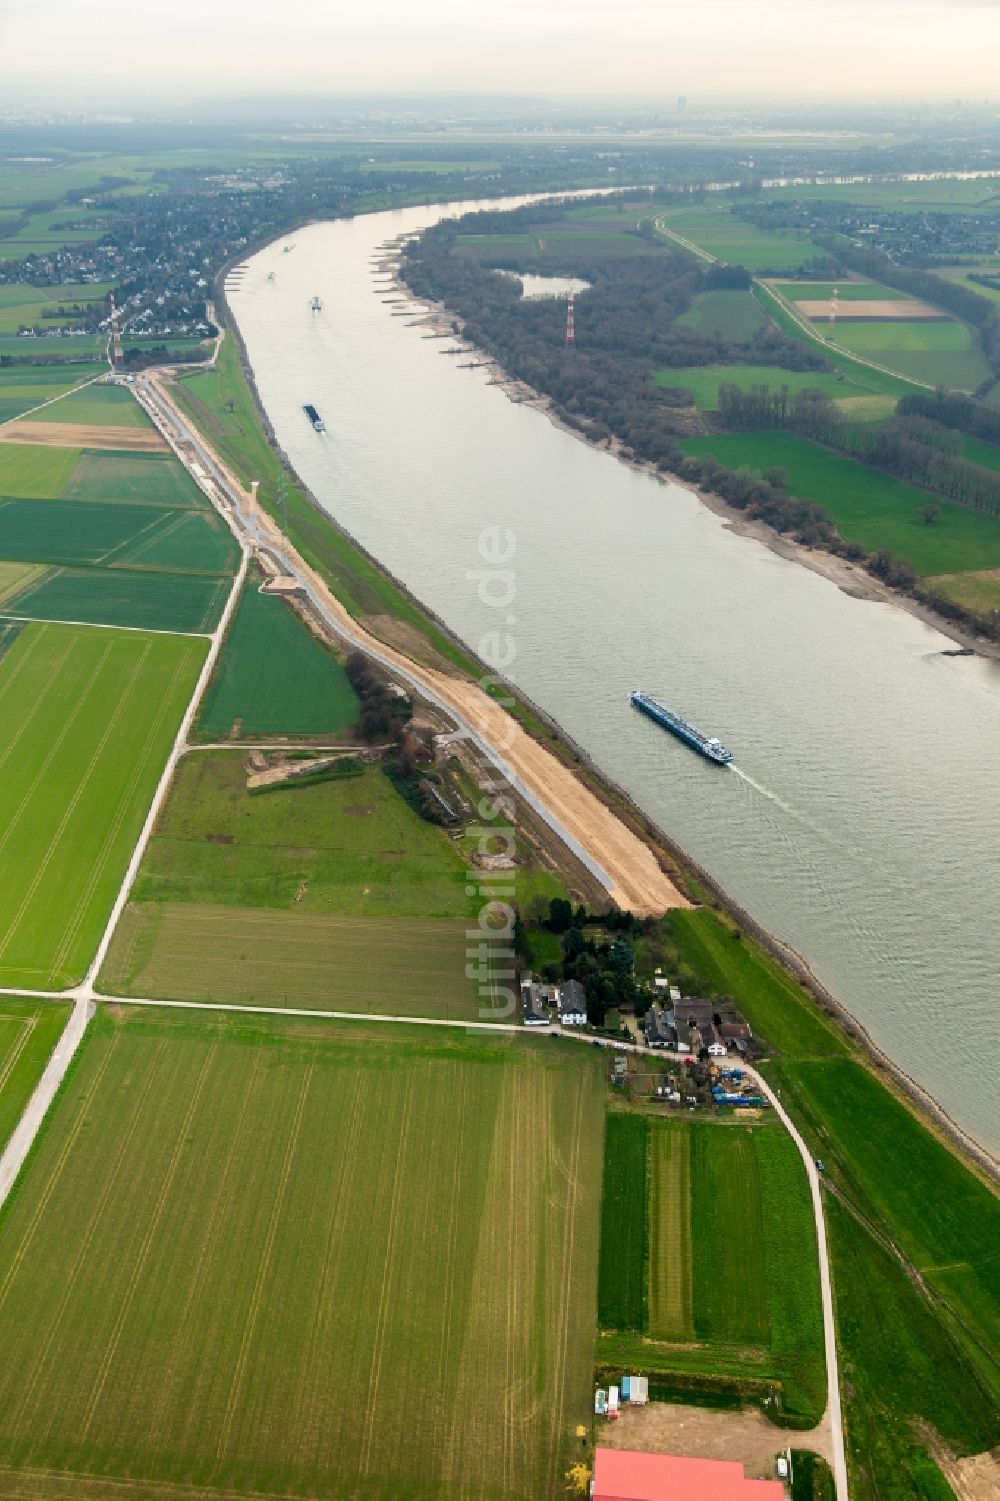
x: 730, y: 1290
x: 900, y: 1369
x: 730, y: 315
x: 703, y: 381
x: 881, y: 382
x: 274, y: 677
x: 353, y: 847
x: 86, y: 720
x: 29, y: 1030
x: 285, y: 1258
x: 883, y: 1159
x: 866, y: 506
x: 979, y: 591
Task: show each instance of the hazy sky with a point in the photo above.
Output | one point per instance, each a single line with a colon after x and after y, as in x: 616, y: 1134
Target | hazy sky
x: 819, y: 47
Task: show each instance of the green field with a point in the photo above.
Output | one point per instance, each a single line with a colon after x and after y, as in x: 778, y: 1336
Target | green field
x: 940, y: 354
x: 152, y: 478
x: 55, y: 531
x: 671, y: 1254
x: 703, y: 381
x: 726, y: 315
x: 29, y: 1030
x: 86, y: 720
x: 723, y: 236
x: 142, y: 601
x: 621, y: 1282
x: 279, y: 1258
x: 112, y: 406
x: 866, y: 506
x: 353, y: 847
x: 27, y: 471
x: 385, y: 966
x: 274, y: 677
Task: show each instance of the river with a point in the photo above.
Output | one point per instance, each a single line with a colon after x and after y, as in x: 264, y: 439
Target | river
x: 861, y: 823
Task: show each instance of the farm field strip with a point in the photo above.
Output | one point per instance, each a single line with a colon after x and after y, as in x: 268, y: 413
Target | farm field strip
x: 286, y: 1264
x: 671, y: 1310
x: 621, y: 1285
x: 160, y: 603
x: 86, y: 719
x: 81, y: 434
x: 728, y: 1229
x: 339, y: 962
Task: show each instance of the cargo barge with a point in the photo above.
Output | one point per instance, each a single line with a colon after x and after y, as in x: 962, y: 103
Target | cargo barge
x: 706, y: 745
x: 314, y: 417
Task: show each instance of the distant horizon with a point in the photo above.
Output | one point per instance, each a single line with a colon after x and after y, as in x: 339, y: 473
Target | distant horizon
x: 887, y: 49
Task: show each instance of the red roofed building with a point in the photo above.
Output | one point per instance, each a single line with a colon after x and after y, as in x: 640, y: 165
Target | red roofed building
x: 628, y: 1475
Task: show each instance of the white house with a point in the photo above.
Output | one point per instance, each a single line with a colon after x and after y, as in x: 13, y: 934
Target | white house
x: 572, y: 1004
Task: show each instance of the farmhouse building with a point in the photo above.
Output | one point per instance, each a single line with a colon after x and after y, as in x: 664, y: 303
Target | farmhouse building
x: 659, y: 1031
x: 531, y: 1004
x: 572, y: 1004
x: 629, y: 1475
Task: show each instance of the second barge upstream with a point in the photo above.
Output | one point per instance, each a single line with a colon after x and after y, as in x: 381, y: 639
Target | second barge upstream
x: 706, y: 745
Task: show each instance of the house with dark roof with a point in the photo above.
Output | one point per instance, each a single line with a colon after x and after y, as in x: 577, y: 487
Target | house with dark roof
x: 658, y: 1028
x: 572, y: 1004
x: 531, y: 1004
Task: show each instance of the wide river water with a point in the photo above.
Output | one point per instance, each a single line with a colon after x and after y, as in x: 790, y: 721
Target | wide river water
x: 861, y: 823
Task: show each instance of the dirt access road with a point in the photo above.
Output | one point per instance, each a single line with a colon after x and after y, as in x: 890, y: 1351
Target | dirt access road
x: 624, y: 864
